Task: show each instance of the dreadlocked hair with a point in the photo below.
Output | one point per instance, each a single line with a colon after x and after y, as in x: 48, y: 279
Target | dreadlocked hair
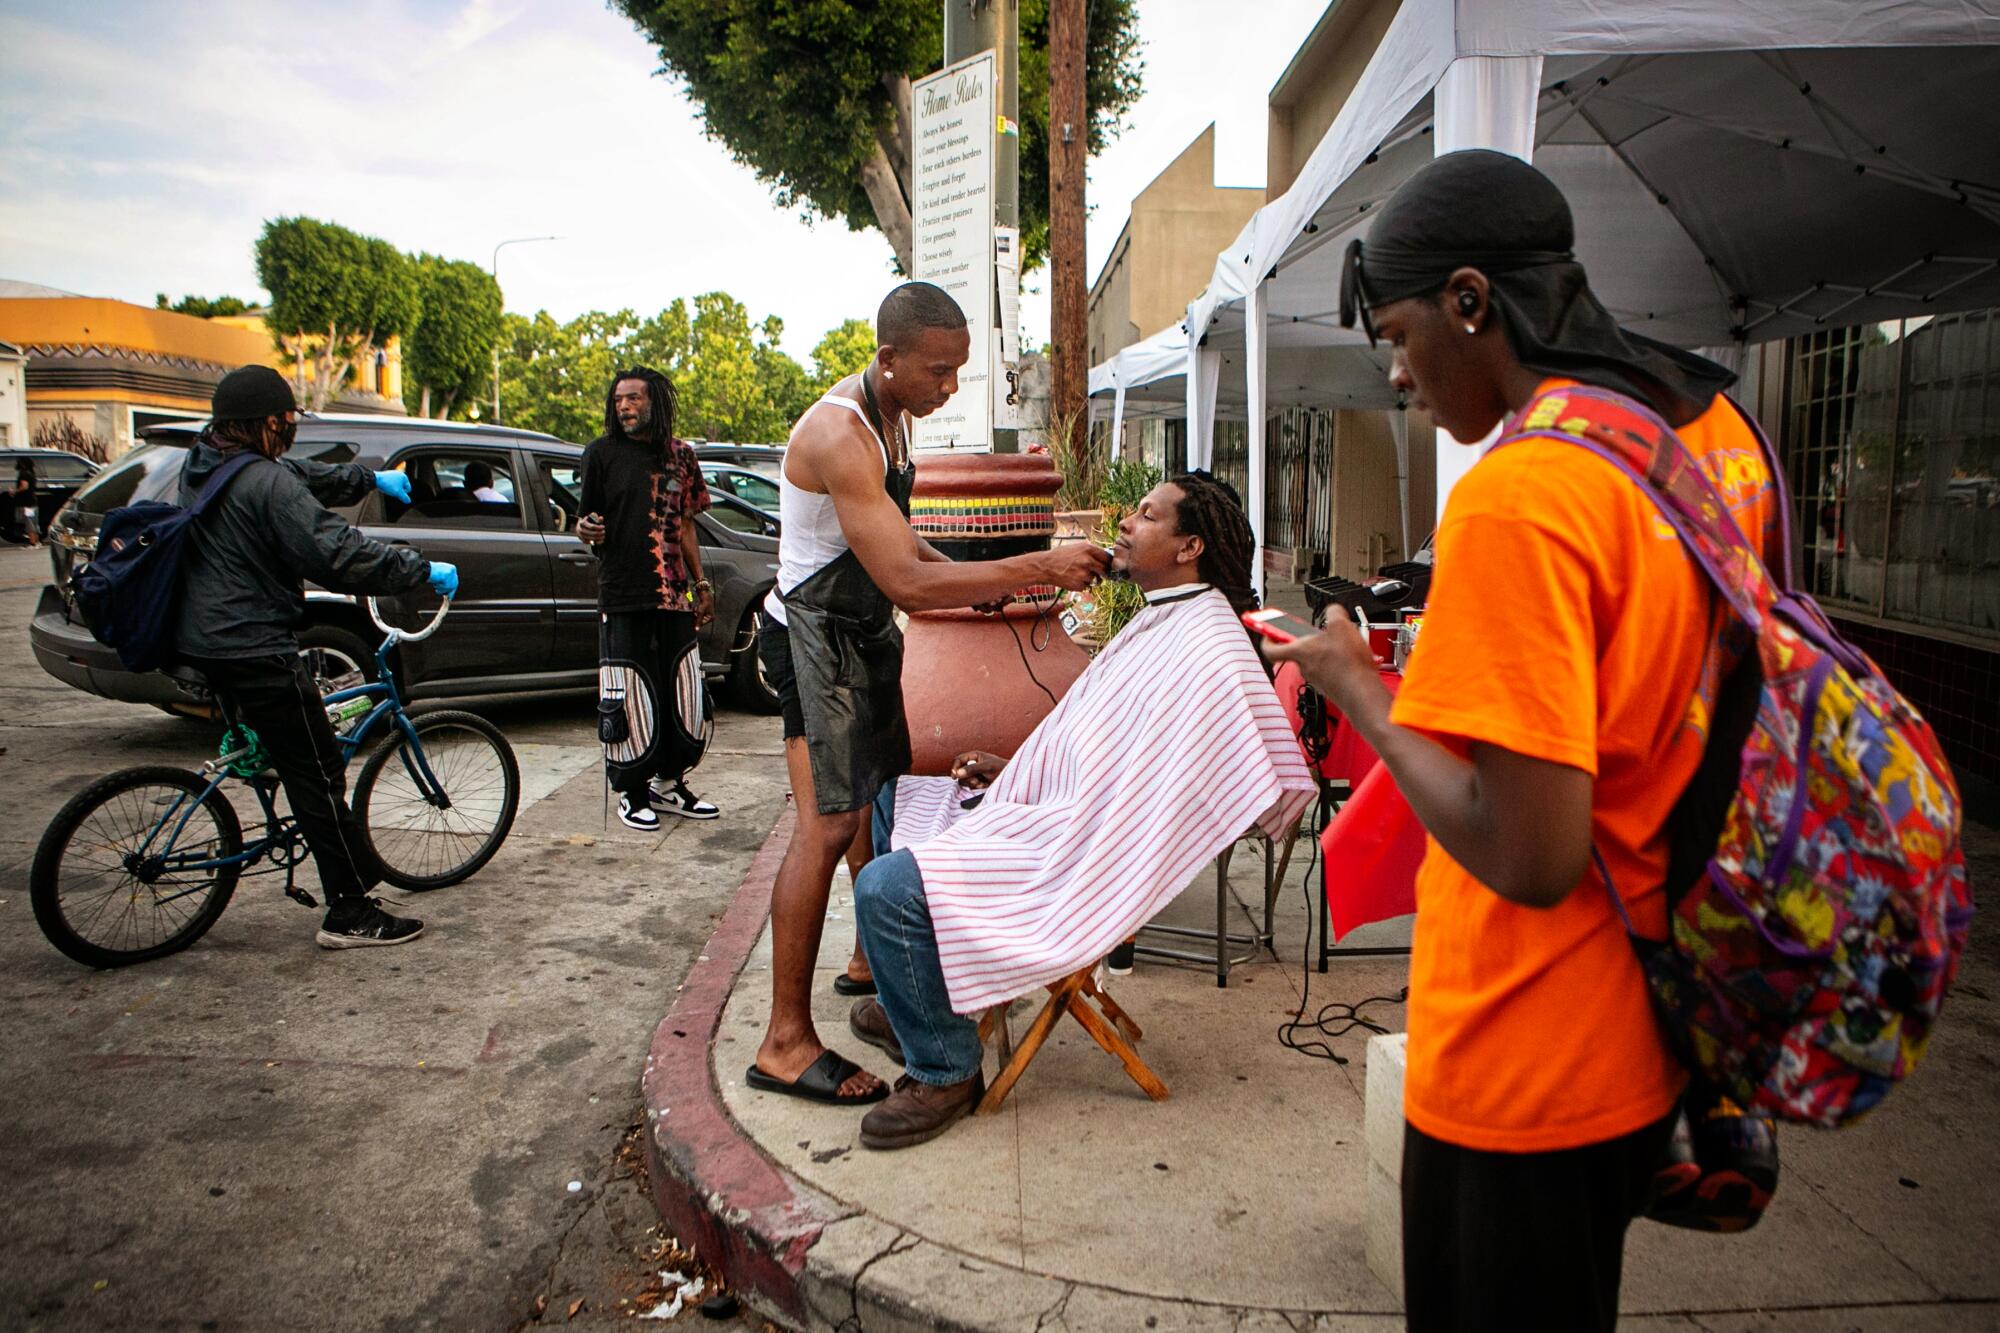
x: 1210, y: 510
x: 659, y: 392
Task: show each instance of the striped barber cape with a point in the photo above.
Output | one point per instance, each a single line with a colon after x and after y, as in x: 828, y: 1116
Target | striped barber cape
x: 1167, y: 749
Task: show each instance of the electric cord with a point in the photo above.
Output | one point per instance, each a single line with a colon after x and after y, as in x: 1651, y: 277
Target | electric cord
x: 1334, y: 1018
x: 1041, y: 634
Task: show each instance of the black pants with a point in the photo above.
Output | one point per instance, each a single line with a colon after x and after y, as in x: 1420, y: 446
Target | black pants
x: 1502, y: 1241
x: 275, y: 697
x: 652, y: 659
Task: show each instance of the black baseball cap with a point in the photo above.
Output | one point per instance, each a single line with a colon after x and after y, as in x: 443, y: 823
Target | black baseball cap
x: 251, y: 393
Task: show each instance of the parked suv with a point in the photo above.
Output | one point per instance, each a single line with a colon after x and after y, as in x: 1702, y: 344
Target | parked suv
x: 58, y: 475
x: 526, y: 614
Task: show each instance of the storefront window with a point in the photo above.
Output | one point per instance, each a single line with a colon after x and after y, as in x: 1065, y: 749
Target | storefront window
x: 1894, y: 454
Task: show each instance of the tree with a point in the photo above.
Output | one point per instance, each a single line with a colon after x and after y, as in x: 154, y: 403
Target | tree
x: 733, y: 379
x: 202, y: 307
x: 335, y: 296
x: 814, y: 95
x: 448, y: 356
x: 842, y: 352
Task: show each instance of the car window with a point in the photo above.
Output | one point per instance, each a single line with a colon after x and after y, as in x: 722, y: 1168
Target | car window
x: 739, y: 517
x: 324, y: 451
x: 563, y: 479
x: 457, y: 488
x: 150, y: 472
x: 746, y: 486
x: 64, y: 471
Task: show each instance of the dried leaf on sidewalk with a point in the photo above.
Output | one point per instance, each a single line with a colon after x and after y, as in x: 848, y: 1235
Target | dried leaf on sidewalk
x: 574, y: 1306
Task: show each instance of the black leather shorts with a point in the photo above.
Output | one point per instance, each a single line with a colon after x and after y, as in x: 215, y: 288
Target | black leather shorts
x: 774, y: 646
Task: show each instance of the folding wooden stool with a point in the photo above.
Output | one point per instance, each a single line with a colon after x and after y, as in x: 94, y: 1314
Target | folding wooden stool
x: 1072, y: 995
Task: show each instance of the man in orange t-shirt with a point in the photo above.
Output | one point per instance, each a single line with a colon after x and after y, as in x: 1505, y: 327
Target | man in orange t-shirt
x: 1558, y: 701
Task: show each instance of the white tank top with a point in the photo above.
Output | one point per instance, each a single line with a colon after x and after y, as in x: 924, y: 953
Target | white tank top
x: 809, y: 535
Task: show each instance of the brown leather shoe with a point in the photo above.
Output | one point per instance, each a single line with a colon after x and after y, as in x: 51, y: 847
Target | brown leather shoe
x: 870, y: 1022
x: 918, y: 1112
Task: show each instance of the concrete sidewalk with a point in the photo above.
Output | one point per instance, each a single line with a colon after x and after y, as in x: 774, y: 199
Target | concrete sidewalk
x: 1241, y: 1202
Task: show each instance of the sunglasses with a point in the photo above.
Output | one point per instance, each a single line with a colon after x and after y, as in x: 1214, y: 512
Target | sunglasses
x: 1354, y: 298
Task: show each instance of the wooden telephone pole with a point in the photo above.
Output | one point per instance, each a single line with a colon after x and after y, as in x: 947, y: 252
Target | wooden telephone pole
x: 1069, y: 350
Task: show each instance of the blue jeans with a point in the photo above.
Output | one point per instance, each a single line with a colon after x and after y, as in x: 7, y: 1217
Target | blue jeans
x: 894, y: 921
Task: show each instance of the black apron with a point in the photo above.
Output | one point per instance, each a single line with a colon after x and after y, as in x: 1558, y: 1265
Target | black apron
x: 848, y: 657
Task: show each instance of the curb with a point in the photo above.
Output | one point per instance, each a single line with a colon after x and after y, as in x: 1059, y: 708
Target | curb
x: 717, y: 1193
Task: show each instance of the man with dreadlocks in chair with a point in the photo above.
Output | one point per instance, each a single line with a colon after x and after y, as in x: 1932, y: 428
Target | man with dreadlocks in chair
x: 641, y: 491
x: 1169, y: 746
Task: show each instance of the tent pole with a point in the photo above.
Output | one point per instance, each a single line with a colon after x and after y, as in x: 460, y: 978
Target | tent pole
x: 1254, y: 336
x: 1482, y: 102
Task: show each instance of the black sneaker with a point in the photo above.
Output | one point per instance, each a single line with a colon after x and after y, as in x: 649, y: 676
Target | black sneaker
x: 637, y: 815
x: 365, y: 926
x: 678, y: 800
x: 1119, y: 961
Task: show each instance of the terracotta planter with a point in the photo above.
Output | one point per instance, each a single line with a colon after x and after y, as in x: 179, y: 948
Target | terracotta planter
x: 965, y: 686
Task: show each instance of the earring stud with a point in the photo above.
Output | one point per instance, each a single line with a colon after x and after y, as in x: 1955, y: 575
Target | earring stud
x: 890, y: 374
x: 1472, y: 328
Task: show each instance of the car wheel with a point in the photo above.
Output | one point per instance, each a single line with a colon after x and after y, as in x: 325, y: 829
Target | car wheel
x: 746, y: 672
x: 337, y: 658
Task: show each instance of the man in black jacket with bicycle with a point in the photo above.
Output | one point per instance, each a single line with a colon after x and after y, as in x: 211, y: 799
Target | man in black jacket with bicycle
x: 247, y: 560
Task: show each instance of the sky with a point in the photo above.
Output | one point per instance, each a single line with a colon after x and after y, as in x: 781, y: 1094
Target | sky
x: 144, y: 142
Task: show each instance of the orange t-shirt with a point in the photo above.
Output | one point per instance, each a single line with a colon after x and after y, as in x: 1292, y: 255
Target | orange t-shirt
x: 1566, y: 622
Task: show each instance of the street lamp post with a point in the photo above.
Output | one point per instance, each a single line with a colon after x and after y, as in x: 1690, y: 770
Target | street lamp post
x: 495, y: 270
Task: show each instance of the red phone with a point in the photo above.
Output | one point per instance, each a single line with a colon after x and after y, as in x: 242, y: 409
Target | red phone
x: 1277, y: 626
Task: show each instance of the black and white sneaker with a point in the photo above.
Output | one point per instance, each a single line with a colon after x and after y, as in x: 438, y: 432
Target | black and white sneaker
x: 678, y: 800
x: 360, y: 923
x: 640, y: 817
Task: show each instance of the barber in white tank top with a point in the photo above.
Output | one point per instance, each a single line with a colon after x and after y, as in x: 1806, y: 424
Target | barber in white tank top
x: 809, y: 537
x: 847, y: 559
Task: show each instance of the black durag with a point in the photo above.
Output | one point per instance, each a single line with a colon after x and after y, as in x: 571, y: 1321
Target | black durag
x: 1493, y: 212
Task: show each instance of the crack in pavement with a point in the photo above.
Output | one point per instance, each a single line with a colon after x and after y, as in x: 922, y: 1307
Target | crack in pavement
x: 1059, y: 1311
x: 852, y: 1324
x: 548, y: 1285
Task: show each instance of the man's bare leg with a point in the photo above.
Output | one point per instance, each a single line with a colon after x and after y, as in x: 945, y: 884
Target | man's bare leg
x: 798, y: 916
x: 859, y: 853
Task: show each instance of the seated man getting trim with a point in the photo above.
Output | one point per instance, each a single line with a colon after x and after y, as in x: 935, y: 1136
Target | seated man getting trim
x: 1165, y: 750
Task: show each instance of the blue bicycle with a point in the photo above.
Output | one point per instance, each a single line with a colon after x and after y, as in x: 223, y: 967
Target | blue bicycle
x: 140, y: 864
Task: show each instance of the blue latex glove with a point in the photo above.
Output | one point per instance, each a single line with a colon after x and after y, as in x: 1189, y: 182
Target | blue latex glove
x: 395, y: 485
x: 444, y: 578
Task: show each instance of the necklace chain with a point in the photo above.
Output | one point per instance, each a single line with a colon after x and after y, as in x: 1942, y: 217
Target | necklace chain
x: 902, y: 455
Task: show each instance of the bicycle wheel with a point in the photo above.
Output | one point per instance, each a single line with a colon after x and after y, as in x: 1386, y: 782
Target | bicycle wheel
x: 425, y: 843
x: 104, y: 905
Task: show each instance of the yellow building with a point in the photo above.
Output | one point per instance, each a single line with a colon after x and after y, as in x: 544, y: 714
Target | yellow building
x: 113, y: 368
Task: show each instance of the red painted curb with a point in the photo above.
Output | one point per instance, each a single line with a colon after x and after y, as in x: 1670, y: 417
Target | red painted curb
x: 717, y: 1192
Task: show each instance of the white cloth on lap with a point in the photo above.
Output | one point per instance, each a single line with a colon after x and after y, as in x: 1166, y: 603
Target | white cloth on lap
x: 1167, y: 749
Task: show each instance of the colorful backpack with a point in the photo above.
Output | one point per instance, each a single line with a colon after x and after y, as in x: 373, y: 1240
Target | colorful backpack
x: 1809, y: 955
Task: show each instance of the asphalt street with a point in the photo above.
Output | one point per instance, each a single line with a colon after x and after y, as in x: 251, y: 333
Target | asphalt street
x: 258, y: 1134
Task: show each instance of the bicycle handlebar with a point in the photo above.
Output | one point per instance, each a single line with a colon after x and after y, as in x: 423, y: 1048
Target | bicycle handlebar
x: 404, y: 635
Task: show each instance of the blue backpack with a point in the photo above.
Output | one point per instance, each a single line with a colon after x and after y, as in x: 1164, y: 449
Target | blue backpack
x: 131, y: 588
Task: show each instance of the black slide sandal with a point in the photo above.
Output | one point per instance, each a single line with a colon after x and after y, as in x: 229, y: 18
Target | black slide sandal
x: 819, y: 1083
x: 846, y: 985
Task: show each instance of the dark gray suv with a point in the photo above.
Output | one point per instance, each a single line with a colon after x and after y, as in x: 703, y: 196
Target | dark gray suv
x: 526, y: 614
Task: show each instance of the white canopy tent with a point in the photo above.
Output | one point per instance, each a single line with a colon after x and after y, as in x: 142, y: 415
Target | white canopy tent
x: 1740, y: 170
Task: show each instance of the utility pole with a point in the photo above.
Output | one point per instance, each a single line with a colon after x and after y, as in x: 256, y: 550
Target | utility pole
x: 1069, y: 339
x: 972, y: 26
x: 495, y: 271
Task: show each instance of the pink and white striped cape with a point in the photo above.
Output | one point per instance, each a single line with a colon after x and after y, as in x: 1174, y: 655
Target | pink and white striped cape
x: 1167, y: 749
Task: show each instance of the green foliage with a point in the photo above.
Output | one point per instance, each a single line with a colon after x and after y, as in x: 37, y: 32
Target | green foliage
x: 842, y: 352
x: 335, y: 296
x: 733, y: 380
x: 1126, y: 483
x: 202, y: 307
x: 448, y: 356
x: 1079, y: 460
x: 804, y: 91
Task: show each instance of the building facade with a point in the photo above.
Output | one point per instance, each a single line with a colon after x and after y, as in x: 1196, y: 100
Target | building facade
x: 111, y: 368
